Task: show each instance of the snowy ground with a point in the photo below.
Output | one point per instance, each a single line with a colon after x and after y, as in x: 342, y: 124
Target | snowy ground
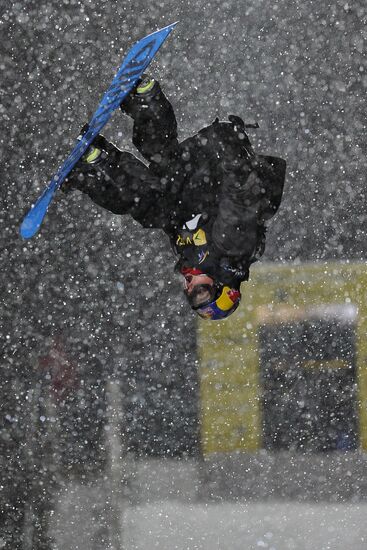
x: 173, y: 525
x: 167, y: 512
x: 275, y: 526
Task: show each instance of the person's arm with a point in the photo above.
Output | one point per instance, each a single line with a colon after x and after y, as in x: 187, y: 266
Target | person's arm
x: 272, y: 171
x: 251, y: 194
x: 235, y: 228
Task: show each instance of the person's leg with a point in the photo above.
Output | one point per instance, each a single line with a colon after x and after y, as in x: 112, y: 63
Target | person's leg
x: 155, y: 126
x: 121, y: 184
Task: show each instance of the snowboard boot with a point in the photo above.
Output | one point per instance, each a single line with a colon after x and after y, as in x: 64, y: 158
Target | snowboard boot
x: 145, y: 91
x: 95, y: 154
x: 145, y: 85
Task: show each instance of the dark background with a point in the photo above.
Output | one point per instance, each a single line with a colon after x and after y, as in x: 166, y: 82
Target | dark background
x: 306, y: 403
x: 103, y: 287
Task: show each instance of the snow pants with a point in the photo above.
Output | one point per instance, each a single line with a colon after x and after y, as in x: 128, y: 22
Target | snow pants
x: 119, y: 181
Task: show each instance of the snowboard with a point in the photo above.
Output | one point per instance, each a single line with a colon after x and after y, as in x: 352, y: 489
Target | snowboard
x: 132, y: 67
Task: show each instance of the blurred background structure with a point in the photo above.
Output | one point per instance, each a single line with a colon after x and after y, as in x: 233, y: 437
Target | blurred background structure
x: 102, y: 373
x: 284, y: 389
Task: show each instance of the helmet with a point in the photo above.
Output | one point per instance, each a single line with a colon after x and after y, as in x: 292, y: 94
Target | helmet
x: 210, y: 300
x: 225, y: 302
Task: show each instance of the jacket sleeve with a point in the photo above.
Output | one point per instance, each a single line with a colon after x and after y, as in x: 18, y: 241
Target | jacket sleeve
x: 235, y: 229
x: 250, y: 196
x: 272, y: 171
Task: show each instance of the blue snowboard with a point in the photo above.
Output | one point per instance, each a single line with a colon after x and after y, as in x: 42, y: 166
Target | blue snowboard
x: 132, y: 67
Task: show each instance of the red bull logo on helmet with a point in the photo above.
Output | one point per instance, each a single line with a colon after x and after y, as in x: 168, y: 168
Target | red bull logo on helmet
x: 222, y: 307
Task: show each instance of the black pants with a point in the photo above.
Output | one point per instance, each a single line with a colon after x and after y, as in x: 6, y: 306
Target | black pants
x: 120, y: 182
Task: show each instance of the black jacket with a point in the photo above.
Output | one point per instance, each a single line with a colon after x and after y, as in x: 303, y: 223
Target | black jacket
x: 215, y: 174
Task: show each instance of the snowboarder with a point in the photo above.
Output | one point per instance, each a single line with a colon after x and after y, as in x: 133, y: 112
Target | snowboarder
x: 211, y: 194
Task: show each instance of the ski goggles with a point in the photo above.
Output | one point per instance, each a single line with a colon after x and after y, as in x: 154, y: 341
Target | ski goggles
x: 201, y: 294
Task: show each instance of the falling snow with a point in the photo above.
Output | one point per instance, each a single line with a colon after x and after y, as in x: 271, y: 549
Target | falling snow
x: 102, y: 381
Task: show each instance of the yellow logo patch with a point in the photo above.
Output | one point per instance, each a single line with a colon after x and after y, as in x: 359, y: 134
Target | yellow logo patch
x: 183, y: 241
x: 203, y: 256
x: 199, y: 237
